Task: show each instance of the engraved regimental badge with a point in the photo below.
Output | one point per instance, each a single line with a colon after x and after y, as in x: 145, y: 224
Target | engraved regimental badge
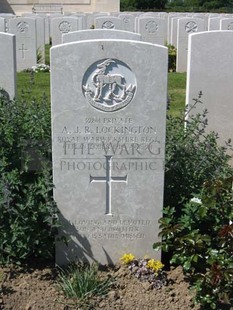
x: 109, y: 85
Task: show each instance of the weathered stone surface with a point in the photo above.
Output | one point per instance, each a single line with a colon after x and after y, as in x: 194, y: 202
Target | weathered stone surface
x: 108, y: 120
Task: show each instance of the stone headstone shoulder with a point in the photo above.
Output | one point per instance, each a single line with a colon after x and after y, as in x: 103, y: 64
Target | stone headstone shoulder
x: 92, y: 34
x: 108, y: 128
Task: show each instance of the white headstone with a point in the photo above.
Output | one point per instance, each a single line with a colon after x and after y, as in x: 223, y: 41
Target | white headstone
x: 214, y: 23
x: 8, y: 63
x: 25, y: 30
x: 83, y: 19
x: 210, y: 70
x: 186, y: 26
x: 2, y: 24
x: 40, y: 39
x: 46, y: 24
x: 128, y: 22
x: 108, y: 121
x: 152, y: 29
x: 169, y: 26
x: 174, y: 26
x: 7, y: 18
x: 92, y: 34
x: 108, y: 22
x: 61, y: 25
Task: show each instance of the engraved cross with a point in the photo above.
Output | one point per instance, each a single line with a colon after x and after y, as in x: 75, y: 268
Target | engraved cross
x: 108, y: 179
x: 23, y: 50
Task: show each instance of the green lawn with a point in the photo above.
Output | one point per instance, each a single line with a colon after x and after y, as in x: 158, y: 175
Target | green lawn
x: 33, y: 84
x: 176, y: 92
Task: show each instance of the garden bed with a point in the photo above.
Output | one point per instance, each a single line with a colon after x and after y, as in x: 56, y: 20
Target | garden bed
x: 37, y: 288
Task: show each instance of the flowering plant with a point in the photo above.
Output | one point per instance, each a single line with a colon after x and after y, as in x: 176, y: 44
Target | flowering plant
x: 155, y: 265
x: 41, y: 68
x: 146, y: 269
x: 127, y: 258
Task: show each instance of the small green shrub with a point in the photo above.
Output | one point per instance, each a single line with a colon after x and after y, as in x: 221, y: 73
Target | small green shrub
x: 27, y: 210
x: 195, y: 229
x: 201, y: 240
x: 38, y: 56
x: 192, y: 157
x: 47, y: 53
x: 171, y: 58
x: 82, y: 281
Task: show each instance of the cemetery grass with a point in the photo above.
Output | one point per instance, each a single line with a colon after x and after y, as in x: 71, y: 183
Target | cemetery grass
x: 176, y: 92
x: 33, y: 85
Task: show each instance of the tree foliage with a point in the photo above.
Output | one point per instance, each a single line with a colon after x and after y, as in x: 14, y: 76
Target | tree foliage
x: 179, y: 5
x: 138, y: 5
x: 202, y: 5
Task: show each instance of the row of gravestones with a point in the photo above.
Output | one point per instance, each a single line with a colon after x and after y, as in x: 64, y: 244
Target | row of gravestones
x: 108, y: 133
x: 157, y: 28
x: 33, y: 33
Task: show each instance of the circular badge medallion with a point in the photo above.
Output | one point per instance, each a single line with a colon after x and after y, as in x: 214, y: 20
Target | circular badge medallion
x: 22, y: 27
x: 191, y: 27
x: 151, y: 26
x: 64, y: 27
x: 108, y: 25
x: 109, y: 85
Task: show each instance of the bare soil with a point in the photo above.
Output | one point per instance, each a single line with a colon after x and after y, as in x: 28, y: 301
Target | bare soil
x: 37, y: 288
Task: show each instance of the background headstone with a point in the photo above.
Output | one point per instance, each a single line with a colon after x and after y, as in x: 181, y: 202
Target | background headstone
x: 25, y: 31
x: 2, y: 24
x: 40, y: 39
x: 7, y: 18
x: 128, y: 22
x: 8, y: 63
x: 210, y: 71
x: 214, y: 23
x: 152, y: 29
x: 186, y: 26
x: 108, y: 22
x: 108, y: 120
x: 62, y: 25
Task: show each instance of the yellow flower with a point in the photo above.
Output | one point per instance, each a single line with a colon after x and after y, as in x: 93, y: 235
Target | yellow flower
x: 155, y: 265
x: 127, y: 258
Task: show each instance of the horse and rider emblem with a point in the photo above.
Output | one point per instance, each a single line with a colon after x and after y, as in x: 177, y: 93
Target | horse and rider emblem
x: 109, y: 85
